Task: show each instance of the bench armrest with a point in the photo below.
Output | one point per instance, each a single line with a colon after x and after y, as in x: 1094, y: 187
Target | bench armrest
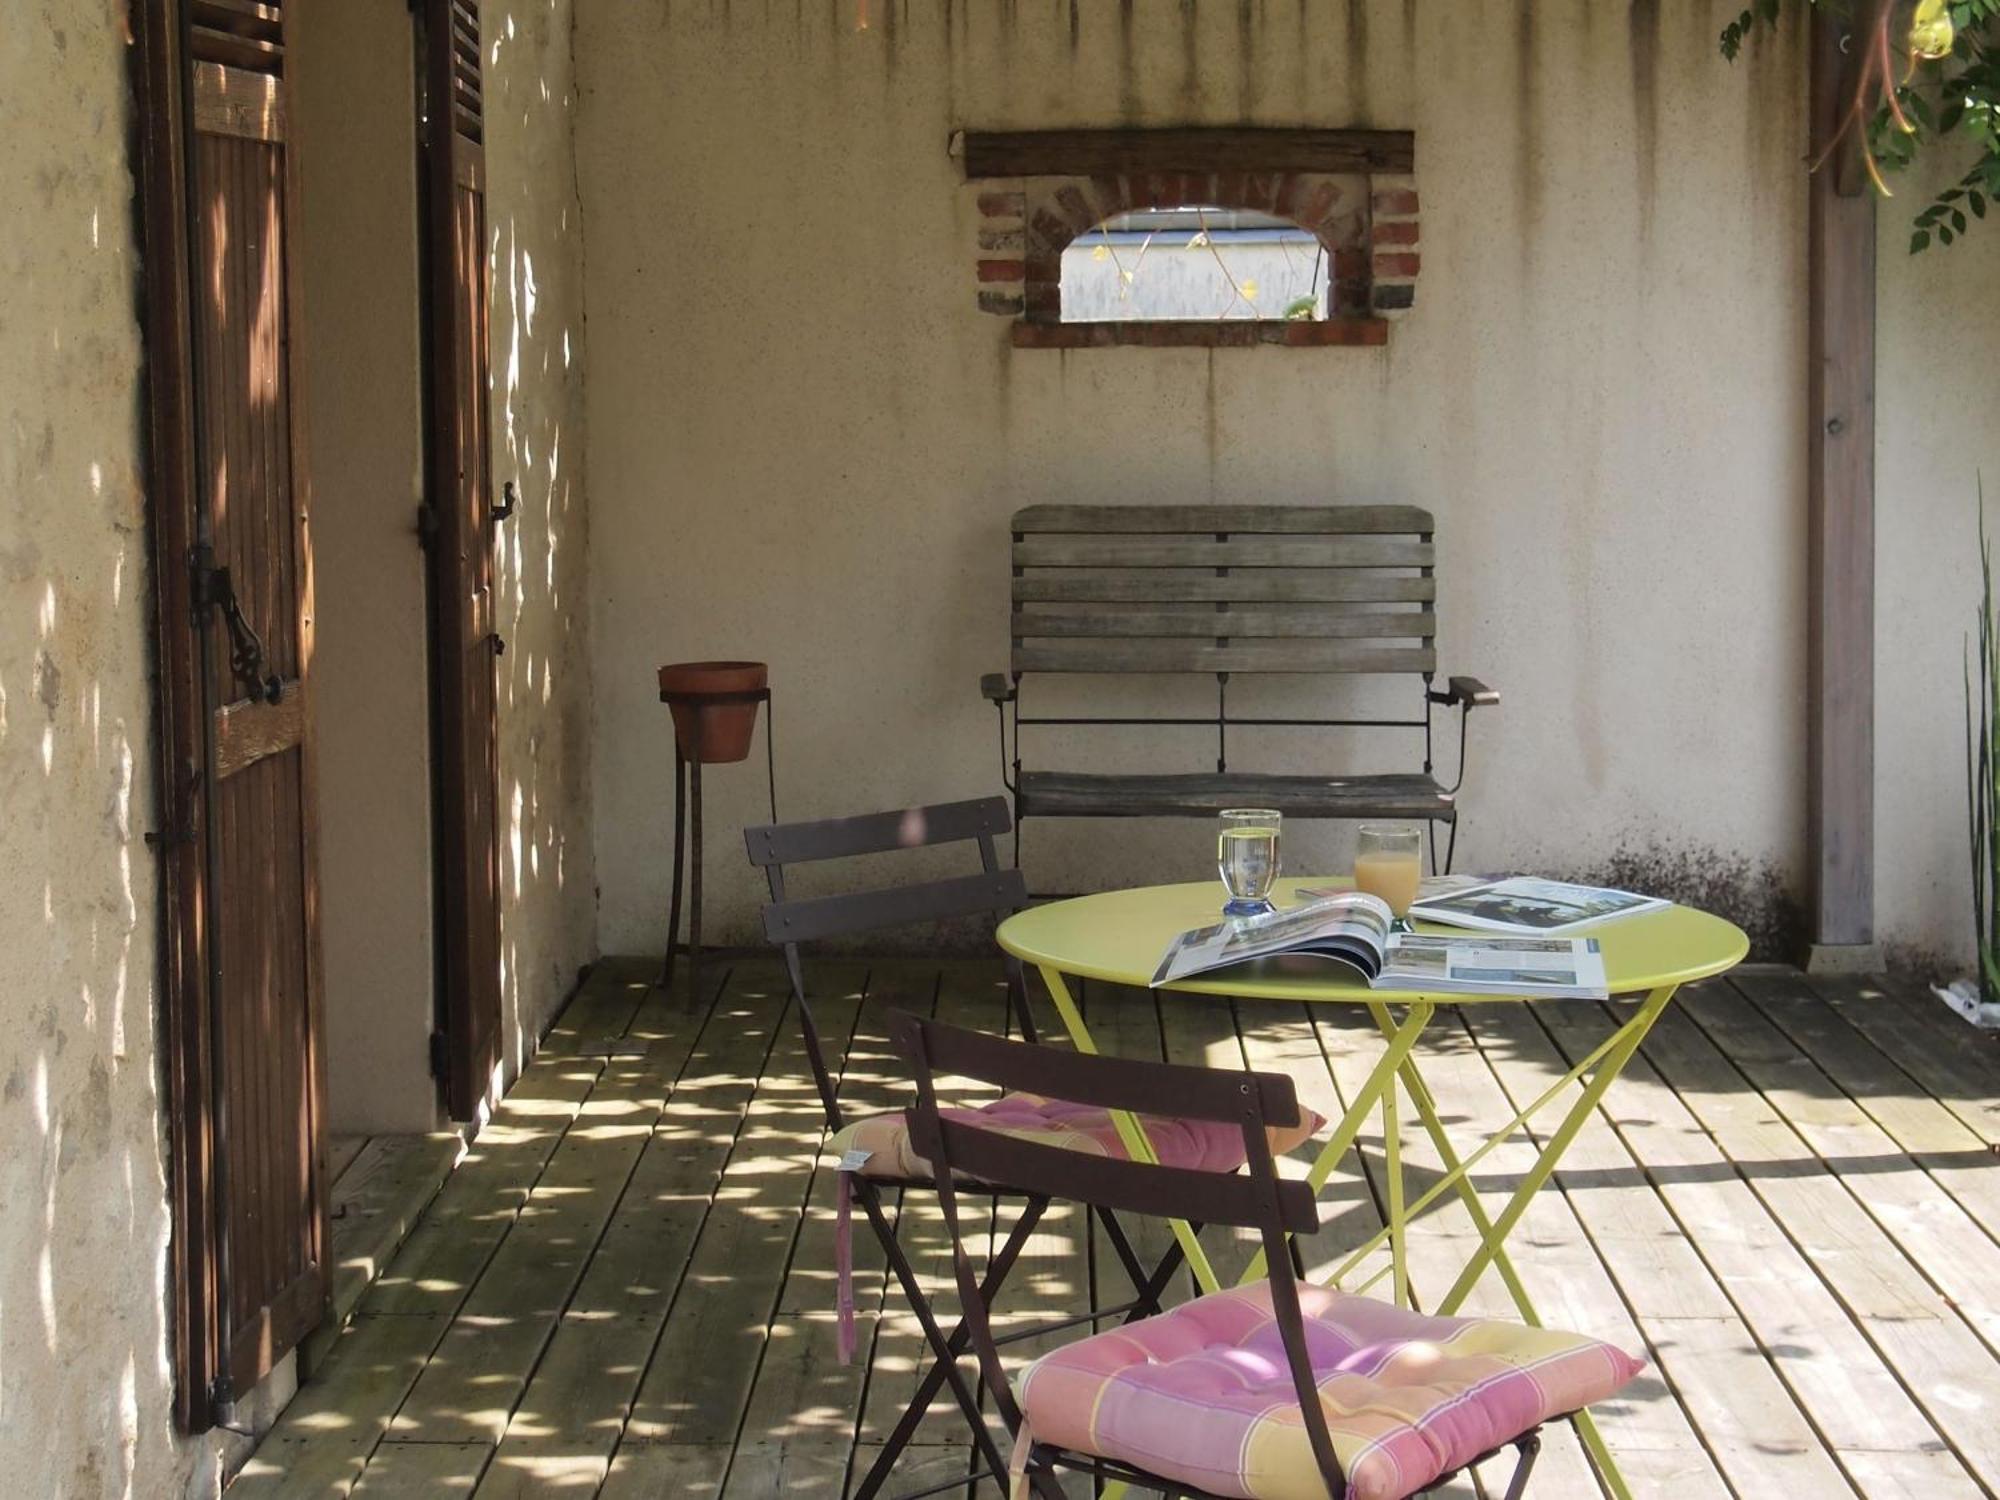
x: 996, y: 689
x: 1469, y: 691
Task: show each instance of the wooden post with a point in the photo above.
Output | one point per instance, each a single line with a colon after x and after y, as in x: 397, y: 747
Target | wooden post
x: 1841, y: 439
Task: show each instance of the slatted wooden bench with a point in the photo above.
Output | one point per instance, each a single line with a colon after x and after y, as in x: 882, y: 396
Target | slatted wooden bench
x: 1227, y: 590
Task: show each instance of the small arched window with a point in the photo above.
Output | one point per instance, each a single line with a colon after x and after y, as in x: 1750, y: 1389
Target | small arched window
x: 1195, y: 262
x: 1217, y: 237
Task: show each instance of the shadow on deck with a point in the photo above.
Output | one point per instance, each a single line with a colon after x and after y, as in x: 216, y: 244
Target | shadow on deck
x: 1790, y: 1203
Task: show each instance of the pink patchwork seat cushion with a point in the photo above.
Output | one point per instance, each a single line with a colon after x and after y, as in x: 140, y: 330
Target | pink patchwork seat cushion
x: 1203, y: 1145
x: 1202, y: 1393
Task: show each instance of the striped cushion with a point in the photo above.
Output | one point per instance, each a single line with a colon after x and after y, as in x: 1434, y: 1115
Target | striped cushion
x: 1202, y: 1393
x: 1204, y: 1145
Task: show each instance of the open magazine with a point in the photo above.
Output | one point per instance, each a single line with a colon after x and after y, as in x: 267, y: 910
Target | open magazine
x: 1357, y: 930
x: 1524, y: 904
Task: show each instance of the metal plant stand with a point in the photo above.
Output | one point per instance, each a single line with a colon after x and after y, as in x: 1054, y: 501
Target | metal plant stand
x: 687, y: 794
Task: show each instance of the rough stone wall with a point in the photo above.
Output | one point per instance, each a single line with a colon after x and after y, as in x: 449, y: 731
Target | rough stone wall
x: 812, y: 457
x: 84, y: 1391
x: 536, y: 261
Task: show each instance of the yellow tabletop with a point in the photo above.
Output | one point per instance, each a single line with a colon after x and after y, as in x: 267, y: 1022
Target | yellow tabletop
x: 1120, y: 936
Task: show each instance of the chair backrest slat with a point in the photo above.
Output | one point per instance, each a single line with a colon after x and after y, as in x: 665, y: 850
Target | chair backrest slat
x: 876, y: 833
x: 790, y: 921
x: 807, y: 919
x: 1111, y: 1082
x: 1129, y: 1186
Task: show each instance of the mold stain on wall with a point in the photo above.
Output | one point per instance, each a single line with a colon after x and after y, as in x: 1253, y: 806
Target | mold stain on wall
x: 1528, y: 137
x: 1758, y: 895
x: 1357, y: 63
x: 1643, y: 19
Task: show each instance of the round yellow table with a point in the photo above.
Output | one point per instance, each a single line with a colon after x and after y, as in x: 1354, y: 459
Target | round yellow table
x: 1119, y: 937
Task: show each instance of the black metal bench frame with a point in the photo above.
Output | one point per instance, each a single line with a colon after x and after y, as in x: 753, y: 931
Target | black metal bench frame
x: 1223, y: 590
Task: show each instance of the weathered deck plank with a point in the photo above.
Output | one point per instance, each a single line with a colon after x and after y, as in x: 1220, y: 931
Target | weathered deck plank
x: 625, y: 1289
x: 1858, y: 1406
x: 1915, y: 1331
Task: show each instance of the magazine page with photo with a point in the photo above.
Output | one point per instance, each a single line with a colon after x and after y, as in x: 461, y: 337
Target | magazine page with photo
x: 1529, y: 905
x: 1357, y: 931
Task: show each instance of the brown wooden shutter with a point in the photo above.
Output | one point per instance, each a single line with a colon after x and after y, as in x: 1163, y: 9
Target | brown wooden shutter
x: 461, y: 501
x: 231, y: 516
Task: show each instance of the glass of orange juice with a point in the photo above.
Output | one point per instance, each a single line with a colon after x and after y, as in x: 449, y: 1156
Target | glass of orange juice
x: 1388, y: 864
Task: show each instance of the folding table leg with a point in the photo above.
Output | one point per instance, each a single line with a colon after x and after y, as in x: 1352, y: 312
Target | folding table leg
x: 1425, y: 1105
x: 1494, y: 1240
x: 1611, y: 1061
x: 1371, y: 1092
x: 1392, y: 1165
x: 1130, y: 1131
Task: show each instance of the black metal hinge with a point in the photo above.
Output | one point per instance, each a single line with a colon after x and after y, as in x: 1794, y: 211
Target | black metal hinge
x: 213, y: 590
x: 184, y: 795
x: 427, y: 525
x: 440, y: 1059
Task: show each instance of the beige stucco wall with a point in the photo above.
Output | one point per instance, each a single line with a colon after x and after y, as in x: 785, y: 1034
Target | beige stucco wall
x: 355, y: 135
x: 548, y: 885
x: 811, y: 457
x: 1938, y: 428
x: 84, y: 1396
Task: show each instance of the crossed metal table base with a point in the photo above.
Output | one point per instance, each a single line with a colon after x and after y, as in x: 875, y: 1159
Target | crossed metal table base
x: 1399, y: 1061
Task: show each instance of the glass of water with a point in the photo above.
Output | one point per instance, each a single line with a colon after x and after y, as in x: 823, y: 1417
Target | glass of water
x: 1246, y: 856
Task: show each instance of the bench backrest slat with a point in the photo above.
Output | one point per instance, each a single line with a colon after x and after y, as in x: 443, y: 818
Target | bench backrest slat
x: 1266, y: 586
x: 1203, y: 656
x: 1206, y: 588
x: 1303, y: 622
x: 1205, y: 552
x: 1236, y: 520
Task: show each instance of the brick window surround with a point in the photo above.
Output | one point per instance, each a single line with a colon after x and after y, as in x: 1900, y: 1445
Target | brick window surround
x: 1354, y: 190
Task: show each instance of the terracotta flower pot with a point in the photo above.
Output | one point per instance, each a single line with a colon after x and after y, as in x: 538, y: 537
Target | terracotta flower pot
x: 713, y: 733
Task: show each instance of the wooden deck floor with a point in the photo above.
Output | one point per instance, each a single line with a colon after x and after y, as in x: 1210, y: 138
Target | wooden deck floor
x: 1791, y: 1204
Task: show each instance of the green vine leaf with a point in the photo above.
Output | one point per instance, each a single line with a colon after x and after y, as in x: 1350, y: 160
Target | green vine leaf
x: 1928, y: 81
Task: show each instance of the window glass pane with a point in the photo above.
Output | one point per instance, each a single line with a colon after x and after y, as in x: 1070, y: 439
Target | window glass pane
x: 1193, y: 263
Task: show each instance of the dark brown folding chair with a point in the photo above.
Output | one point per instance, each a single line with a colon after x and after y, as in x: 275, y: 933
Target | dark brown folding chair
x: 994, y: 892
x: 1410, y: 1396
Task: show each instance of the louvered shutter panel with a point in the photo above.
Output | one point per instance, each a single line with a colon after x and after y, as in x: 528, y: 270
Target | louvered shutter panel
x: 253, y: 629
x: 461, y: 498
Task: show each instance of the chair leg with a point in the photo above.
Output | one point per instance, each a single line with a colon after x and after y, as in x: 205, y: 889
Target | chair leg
x: 945, y: 1351
x: 1046, y: 1485
x: 1017, y: 1001
x: 1149, y: 1287
x: 1530, y: 1447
